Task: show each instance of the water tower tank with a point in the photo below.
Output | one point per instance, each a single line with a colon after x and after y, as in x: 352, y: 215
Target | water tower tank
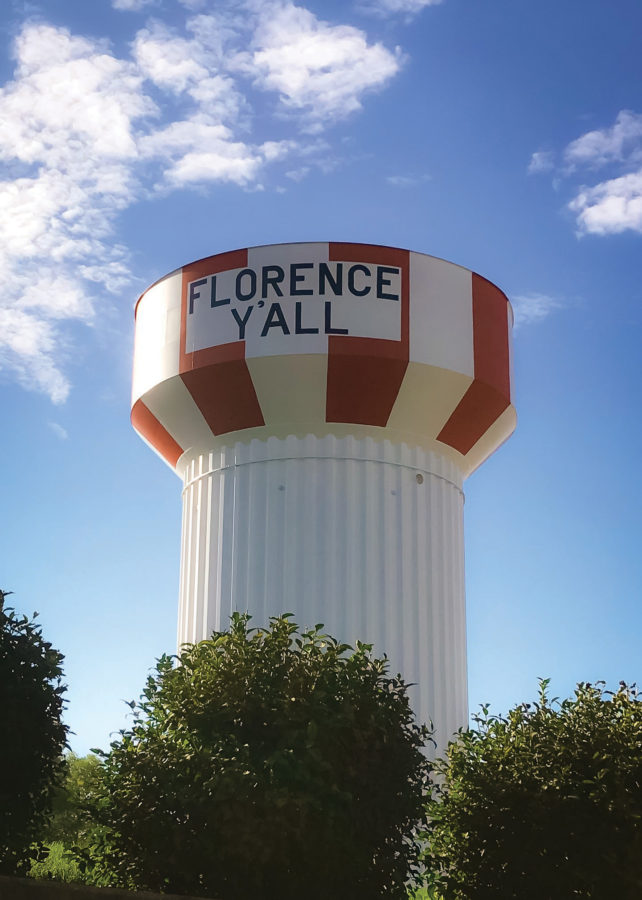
x: 322, y: 404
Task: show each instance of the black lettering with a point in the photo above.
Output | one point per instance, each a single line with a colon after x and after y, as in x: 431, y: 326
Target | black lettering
x: 242, y: 322
x: 328, y: 321
x: 194, y: 294
x: 295, y: 278
x: 298, y: 327
x: 274, y: 280
x: 351, y: 285
x: 213, y: 301
x: 275, y: 319
x: 385, y: 282
x: 252, y: 291
x: 325, y: 275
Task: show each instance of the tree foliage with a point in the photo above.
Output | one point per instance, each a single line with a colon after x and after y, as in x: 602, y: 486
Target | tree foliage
x: 33, y: 736
x: 56, y: 862
x: 64, y: 849
x: 75, y: 801
x: 545, y: 803
x: 268, y: 763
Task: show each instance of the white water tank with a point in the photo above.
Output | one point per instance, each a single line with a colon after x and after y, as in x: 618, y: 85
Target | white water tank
x: 323, y: 403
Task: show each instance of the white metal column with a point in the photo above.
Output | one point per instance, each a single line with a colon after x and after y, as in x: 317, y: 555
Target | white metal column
x: 365, y: 536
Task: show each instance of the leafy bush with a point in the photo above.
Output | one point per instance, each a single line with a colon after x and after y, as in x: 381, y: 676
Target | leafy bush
x: 544, y: 803
x: 64, y: 852
x: 268, y: 763
x: 74, y: 804
x: 31, y: 703
x: 56, y: 862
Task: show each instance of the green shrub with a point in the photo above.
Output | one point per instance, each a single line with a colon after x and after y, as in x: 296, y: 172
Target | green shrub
x: 74, y: 803
x: 545, y: 803
x: 55, y: 862
x: 65, y: 849
x: 268, y: 763
x: 33, y: 736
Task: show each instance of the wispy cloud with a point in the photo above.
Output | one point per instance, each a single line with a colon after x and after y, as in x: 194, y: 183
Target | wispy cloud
x: 541, y: 161
x: 298, y: 174
x: 385, y: 8
x: 530, y: 309
x: 68, y: 119
x: 85, y: 133
x: 614, y: 204
x: 407, y: 181
x: 610, y: 207
x: 317, y: 69
x: 59, y: 431
x: 133, y: 5
x: 621, y: 143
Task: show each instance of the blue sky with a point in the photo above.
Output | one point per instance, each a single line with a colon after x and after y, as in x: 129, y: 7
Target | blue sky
x: 136, y: 136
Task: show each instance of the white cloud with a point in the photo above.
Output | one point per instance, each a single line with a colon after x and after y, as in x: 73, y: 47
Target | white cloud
x: 69, y: 118
x: 613, y: 204
x: 610, y: 207
x: 199, y: 150
x: 133, y: 5
x: 56, y: 296
x: 275, y: 150
x: 168, y: 60
x: 234, y: 164
x: 541, y: 161
x: 60, y: 432
x: 298, y: 174
x: 189, y: 65
x: 69, y: 86
x: 320, y: 69
x: 407, y: 181
x: 113, y: 275
x: 529, y: 309
x: 88, y: 133
x: 595, y: 148
x: 406, y: 8
x: 27, y: 350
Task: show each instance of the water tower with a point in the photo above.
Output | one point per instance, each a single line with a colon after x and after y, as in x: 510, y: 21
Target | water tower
x: 323, y: 403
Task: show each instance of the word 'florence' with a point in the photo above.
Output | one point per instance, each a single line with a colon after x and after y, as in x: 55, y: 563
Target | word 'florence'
x: 302, y: 279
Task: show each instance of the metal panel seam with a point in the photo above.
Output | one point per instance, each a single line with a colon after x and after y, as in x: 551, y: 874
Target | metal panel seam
x: 381, y: 462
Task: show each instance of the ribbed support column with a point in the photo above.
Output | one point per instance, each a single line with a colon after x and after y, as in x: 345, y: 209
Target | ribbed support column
x: 364, y: 536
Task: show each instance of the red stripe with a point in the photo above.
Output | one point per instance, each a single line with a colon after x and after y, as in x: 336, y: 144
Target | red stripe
x: 224, y: 392
x: 218, y: 378
x: 480, y: 406
x: 234, y: 259
x: 365, y: 374
x: 156, y: 434
x: 490, y: 335
x: 489, y: 394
